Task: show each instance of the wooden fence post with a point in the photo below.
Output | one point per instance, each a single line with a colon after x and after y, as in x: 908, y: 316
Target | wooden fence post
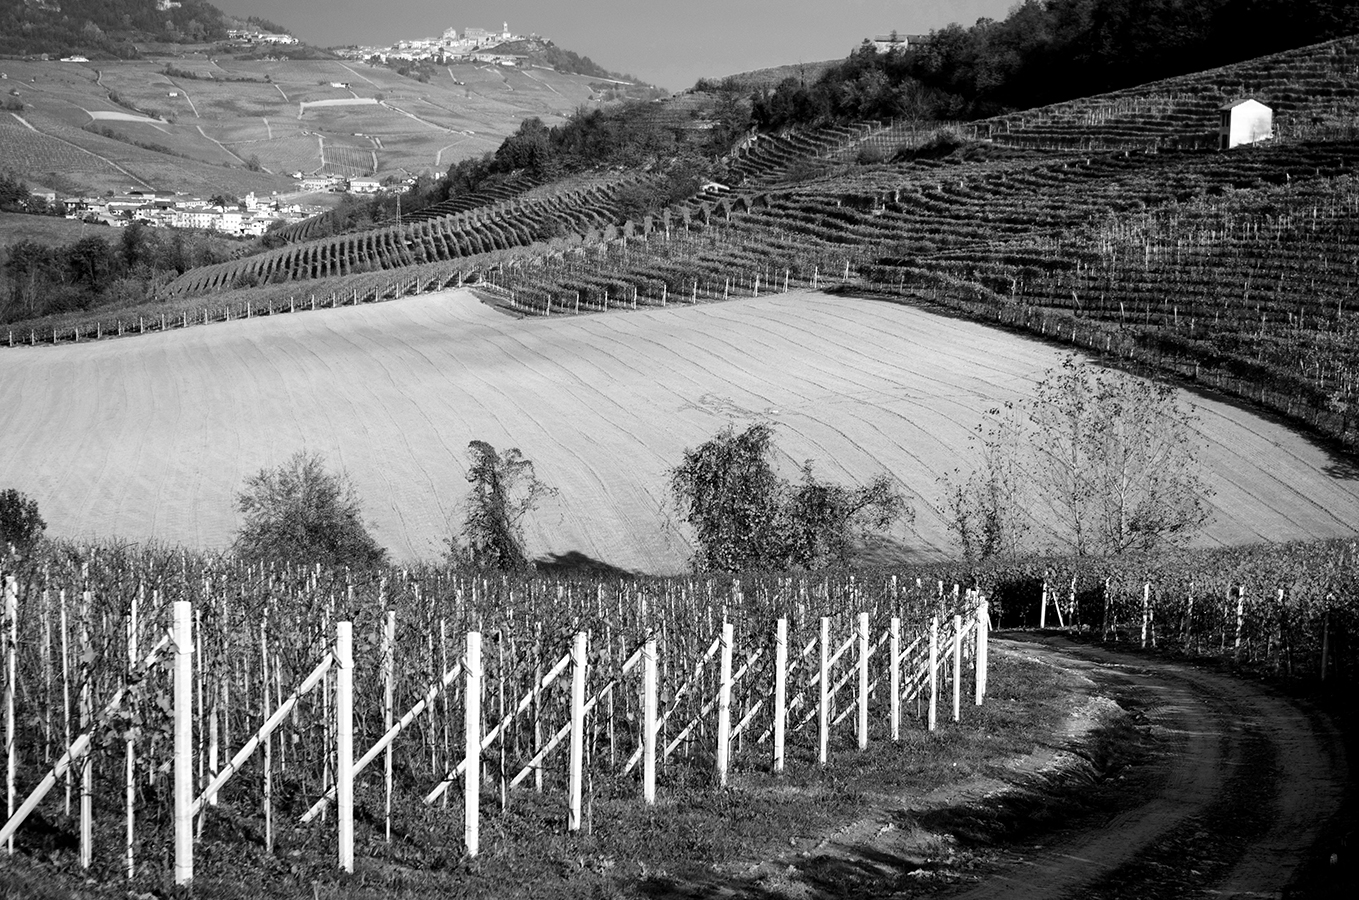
x: 1146, y: 611
x: 649, y: 722
x: 471, y: 776
x: 863, y: 681
x: 823, y: 701
x: 344, y: 742
x: 183, y: 743
x: 1240, y: 622
x: 934, y: 672
x: 1326, y: 641
x: 577, y: 754
x: 724, y: 706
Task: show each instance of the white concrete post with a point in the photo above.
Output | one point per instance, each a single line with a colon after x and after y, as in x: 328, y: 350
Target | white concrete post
x: 823, y: 696
x: 863, y: 681
x: 894, y: 676
x: 183, y: 743
x: 577, y: 753
x: 934, y: 672
x: 957, y: 667
x: 388, y: 702
x: 344, y: 742
x: 780, y: 691
x: 724, y: 707
x: 649, y: 722
x: 471, y: 776
x: 983, y: 638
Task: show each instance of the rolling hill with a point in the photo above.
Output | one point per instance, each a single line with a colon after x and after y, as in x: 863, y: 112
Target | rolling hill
x: 150, y: 438
x: 200, y: 123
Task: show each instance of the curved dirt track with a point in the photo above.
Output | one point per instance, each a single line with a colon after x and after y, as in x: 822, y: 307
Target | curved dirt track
x: 1240, y: 782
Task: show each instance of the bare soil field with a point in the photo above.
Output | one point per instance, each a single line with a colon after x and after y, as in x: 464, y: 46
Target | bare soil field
x: 151, y: 437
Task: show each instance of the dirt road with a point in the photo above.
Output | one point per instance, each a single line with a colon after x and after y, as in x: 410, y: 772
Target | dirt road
x: 1168, y: 781
x: 1235, y: 791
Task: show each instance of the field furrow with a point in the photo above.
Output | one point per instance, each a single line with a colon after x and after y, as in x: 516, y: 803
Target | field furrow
x: 152, y: 438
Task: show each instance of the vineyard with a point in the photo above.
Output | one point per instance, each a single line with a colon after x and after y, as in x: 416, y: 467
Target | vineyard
x: 1313, y: 91
x: 590, y: 212
x: 176, y: 689
x: 1232, y: 270
x: 288, y: 684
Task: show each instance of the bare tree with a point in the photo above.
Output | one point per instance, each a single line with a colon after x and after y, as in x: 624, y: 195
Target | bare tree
x: 1110, y: 458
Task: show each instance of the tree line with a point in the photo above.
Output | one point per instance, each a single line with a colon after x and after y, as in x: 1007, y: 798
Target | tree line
x: 37, y: 279
x: 1048, y: 51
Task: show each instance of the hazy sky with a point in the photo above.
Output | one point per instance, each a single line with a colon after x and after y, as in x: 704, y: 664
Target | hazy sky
x: 671, y: 44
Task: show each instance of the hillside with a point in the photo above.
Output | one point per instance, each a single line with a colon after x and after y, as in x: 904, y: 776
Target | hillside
x: 155, y: 435
x: 104, y: 28
x: 1235, y: 269
x: 199, y: 122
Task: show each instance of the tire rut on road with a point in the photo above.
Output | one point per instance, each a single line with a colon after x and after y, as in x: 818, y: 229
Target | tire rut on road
x: 1240, y: 790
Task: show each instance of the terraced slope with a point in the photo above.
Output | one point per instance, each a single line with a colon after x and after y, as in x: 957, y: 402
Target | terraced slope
x: 1238, y: 269
x: 588, y: 212
x: 1313, y: 91
x: 150, y: 438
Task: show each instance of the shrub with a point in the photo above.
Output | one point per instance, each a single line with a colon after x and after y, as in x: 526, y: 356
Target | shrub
x: 302, y: 514
x: 20, y: 525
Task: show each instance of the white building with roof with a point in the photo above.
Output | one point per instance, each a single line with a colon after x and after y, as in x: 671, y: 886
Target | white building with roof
x: 1245, y: 121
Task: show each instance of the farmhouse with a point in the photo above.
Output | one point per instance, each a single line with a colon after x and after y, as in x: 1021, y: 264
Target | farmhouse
x: 1244, y: 122
x: 885, y: 43
x: 364, y: 185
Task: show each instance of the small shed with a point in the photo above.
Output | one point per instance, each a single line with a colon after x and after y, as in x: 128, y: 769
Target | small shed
x: 1244, y: 122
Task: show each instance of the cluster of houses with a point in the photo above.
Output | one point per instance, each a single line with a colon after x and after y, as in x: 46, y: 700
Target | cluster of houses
x: 252, y: 217
x: 246, y: 36
x: 474, y: 44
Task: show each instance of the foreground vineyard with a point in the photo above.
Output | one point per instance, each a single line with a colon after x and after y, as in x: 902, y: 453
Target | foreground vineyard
x: 152, y: 437
x: 290, y: 682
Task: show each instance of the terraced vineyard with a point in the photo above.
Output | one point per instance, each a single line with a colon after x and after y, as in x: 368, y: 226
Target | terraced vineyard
x: 1313, y: 91
x: 1236, y: 269
x: 590, y: 213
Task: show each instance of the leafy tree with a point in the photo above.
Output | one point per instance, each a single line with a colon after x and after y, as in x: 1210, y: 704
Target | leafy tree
x: 729, y: 494
x: 824, y: 522
x: 20, y: 525
x: 302, y: 514
x: 747, y: 517
x: 1110, y: 457
x: 504, y: 490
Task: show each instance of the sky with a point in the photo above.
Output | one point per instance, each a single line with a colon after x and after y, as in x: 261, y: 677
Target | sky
x: 671, y: 44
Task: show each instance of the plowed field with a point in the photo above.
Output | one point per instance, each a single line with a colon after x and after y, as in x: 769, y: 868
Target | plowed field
x: 152, y: 436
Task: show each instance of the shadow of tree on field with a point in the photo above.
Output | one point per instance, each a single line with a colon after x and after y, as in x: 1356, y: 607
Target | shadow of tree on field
x: 1342, y: 467
x: 573, y: 562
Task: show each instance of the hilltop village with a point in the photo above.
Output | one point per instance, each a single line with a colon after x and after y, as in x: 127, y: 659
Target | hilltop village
x: 472, y: 45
